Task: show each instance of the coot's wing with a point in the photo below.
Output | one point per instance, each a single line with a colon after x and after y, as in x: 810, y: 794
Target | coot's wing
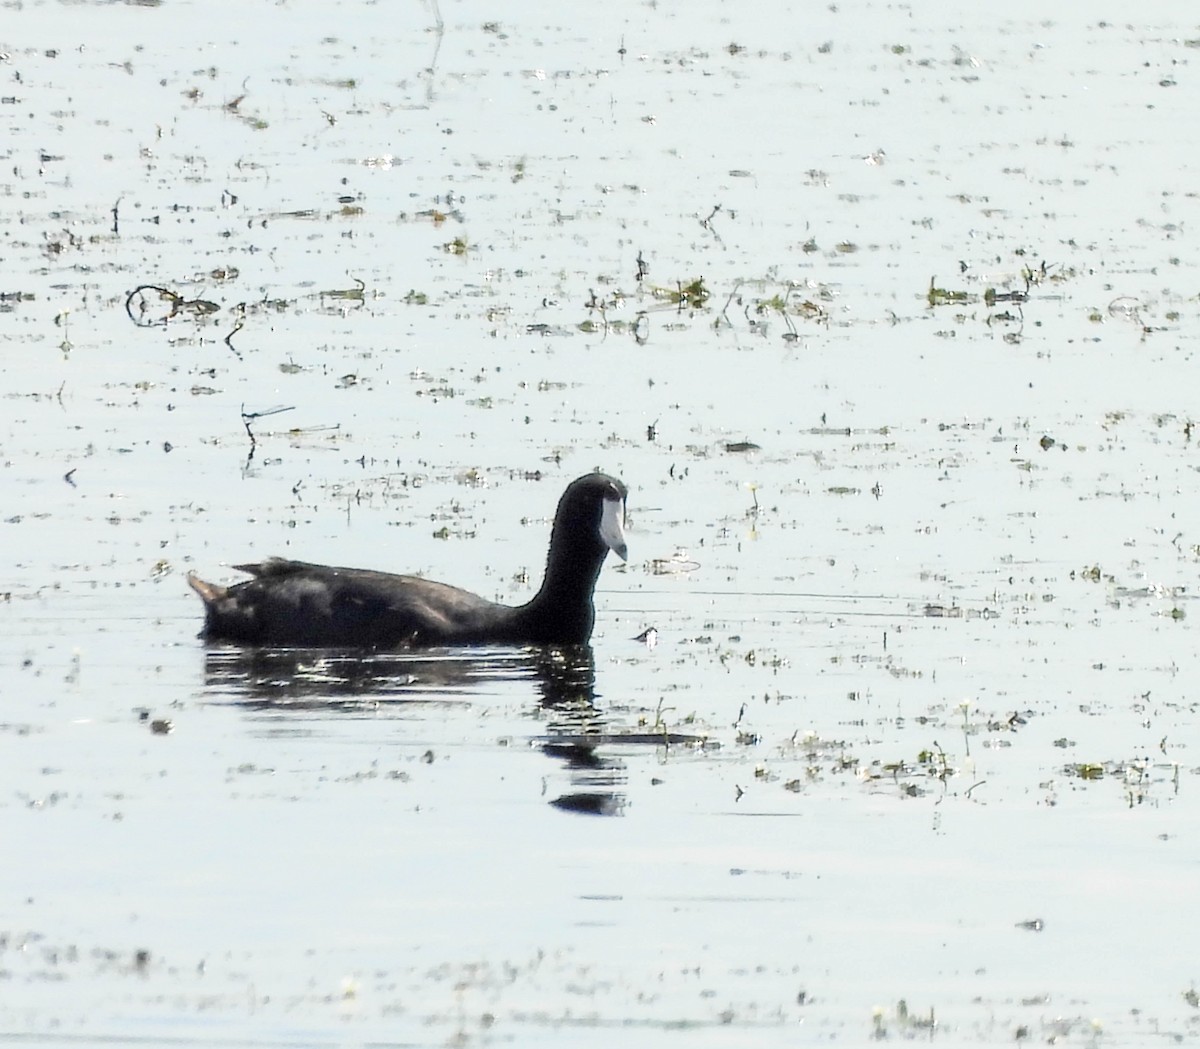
x: 383, y: 610
x: 299, y: 603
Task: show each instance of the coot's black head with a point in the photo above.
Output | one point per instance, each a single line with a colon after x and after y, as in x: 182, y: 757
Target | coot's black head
x: 591, y: 513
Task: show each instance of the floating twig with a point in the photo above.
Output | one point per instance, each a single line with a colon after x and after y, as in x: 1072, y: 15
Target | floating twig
x: 238, y: 326
x: 641, y: 328
x: 249, y: 417
x: 728, y: 302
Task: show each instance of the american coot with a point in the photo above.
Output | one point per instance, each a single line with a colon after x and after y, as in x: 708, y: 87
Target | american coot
x: 296, y: 603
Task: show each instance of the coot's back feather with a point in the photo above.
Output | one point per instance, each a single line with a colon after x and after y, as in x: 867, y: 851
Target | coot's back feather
x: 298, y: 603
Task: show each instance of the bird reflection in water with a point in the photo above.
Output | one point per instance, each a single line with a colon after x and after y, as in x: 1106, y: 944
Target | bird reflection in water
x: 355, y: 682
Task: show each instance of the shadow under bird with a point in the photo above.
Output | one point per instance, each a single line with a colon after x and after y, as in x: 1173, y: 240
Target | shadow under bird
x: 297, y: 603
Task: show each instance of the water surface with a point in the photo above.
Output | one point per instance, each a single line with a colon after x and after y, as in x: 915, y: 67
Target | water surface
x: 900, y: 389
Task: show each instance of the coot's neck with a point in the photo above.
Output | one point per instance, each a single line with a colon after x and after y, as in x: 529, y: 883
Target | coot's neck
x: 562, y: 612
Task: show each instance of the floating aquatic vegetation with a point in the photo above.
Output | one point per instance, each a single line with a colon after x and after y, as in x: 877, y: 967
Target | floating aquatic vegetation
x: 936, y: 296
x: 694, y: 293
x: 356, y: 294
x: 152, y: 305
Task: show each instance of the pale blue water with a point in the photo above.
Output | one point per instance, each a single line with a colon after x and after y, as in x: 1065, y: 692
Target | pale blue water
x: 925, y: 655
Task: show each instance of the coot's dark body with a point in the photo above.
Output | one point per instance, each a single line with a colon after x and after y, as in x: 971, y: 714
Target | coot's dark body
x: 297, y: 603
